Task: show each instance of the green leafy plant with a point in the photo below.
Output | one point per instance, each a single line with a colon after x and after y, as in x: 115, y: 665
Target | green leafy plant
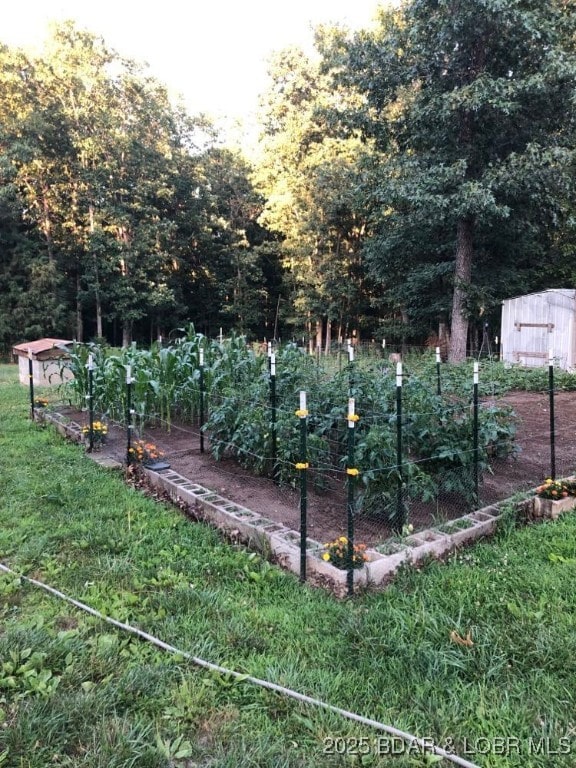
x: 437, y: 430
x: 25, y: 672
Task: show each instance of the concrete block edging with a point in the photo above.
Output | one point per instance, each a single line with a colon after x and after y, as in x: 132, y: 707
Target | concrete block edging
x: 273, y: 538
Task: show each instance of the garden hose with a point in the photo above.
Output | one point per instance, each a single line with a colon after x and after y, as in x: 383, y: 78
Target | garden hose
x: 425, y: 746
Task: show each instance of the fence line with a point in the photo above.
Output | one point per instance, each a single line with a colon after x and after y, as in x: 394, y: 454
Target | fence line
x: 399, y: 472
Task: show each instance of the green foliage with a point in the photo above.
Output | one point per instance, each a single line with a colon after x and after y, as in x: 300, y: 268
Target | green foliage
x: 121, y: 702
x: 24, y: 674
x: 165, y: 380
x: 116, y: 206
x: 469, y: 106
x: 309, y: 179
x: 341, y: 555
x: 240, y: 420
x: 437, y: 430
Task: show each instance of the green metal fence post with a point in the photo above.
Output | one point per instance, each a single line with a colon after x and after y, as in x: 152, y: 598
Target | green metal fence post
x: 400, y: 517
x: 273, y: 413
x: 350, y: 369
x: 552, y: 420
x: 475, y: 427
x: 302, y: 467
x: 352, y: 473
x: 201, y: 382
x: 31, y: 383
x: 129, y: 413
x: 90, y: 367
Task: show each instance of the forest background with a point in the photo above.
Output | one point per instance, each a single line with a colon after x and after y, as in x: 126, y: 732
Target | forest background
x: 408, y: 179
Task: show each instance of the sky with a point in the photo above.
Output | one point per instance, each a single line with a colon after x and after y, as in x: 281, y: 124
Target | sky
x: 213, y: 53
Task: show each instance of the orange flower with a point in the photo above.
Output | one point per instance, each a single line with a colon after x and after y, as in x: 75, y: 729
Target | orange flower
x: 144, y: 451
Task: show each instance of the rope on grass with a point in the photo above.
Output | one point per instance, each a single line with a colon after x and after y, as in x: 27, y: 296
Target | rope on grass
x: 425, y: 745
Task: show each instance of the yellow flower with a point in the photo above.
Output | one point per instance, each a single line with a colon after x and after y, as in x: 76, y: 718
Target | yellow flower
x: 338, y: 553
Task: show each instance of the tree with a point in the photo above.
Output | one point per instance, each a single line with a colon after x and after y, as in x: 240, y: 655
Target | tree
x: 472, y: 103
x: 309, y: 177
x: 105, y: 170
x: 244, y: 254
x: 33, y: 295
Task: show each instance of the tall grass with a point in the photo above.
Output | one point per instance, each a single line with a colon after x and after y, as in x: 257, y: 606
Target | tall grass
x: 76, y: 692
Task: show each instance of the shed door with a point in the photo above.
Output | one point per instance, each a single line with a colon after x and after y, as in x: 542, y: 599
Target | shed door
x: 534, y: 342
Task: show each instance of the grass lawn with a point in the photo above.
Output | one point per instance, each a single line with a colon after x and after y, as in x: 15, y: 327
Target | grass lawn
x: 75, y: 691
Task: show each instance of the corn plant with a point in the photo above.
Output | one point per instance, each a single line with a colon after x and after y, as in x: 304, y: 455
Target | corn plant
x: 239, y: 415
x: 436, y: 429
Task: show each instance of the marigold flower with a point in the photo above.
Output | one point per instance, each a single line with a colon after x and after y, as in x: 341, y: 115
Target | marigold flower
x: 144, y: 451
x: 338, y: 553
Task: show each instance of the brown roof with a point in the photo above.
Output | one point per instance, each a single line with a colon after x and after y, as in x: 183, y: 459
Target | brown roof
x: 39, y: 346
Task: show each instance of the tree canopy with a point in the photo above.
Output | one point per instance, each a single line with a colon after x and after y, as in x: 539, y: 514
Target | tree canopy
x: 111, y: 206
x: 410, y: 177
x: 471, y: 106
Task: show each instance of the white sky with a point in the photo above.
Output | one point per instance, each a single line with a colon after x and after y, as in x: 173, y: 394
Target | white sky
x: 213, y: 53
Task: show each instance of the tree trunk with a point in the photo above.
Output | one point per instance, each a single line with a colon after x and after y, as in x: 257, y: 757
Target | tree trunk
x: 47, y: 227
x: 92, y: 227
x: 443, y: 339
x: 126, y: 335
x: 99, y: 328
x: 405, y: 322
x: 462, y: 277
x: 79, y: 319
x: 328, y: 343
x: 319, y: 334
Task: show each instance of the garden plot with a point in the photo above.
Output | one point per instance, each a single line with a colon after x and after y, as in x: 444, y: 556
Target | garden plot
x: 327, y: 508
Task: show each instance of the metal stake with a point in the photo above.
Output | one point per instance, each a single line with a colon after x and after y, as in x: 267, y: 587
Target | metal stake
x: 91, y: 403
x: 476, y: 453
x: 302, y: 466
x: 31, y: 381
x: 352, y: 473
x: 129, y: 415
x: 400, y: 517
x: 552, y: 425
x: 273, y: 412
x: 201, y: 361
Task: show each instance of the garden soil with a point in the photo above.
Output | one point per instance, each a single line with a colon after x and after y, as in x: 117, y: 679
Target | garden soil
x: 327, y: 508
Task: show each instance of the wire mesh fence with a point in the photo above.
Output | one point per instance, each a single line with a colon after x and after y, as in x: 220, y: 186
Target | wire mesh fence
x: 334, y: 446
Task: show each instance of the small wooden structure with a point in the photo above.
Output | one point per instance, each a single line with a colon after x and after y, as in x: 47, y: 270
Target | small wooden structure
x: 537, y: 324
x: 47, y: 356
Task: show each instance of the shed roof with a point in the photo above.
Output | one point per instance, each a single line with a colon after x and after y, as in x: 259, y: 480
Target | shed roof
x: 39, y: 346
x: 570, y: 292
